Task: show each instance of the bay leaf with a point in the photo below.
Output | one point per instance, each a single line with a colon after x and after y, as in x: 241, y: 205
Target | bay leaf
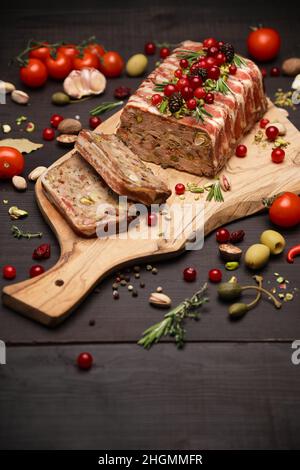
x: 23, y: 145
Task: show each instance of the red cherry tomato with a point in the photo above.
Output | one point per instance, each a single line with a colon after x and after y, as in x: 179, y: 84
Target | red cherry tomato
x: 59, y: 67
x: 215, y: 275
x: 48, y: 134
x: 112, y: 64
x: 84, y: 361
x: 94, y: 122
x: 189, y: 274
x: 222, y: 235
x: 179, y: 189
x: 34, y: 74
x: 55, y: 120
x: 97, y: 51
x: 9, y: 272
x: 69, y: 50
x: 41, y: 53
x: 285, y: 210
x: 241, y: 151
x: 278, y: 155
x: 11, y: 162
x: 36, y: 270
x: 264, y: 44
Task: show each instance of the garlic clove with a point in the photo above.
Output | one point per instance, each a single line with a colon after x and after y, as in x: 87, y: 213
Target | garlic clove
x: 97, y: 81
x: 85, y: 79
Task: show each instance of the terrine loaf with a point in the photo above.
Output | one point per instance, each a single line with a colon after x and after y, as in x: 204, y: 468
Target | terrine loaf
x: 193, y: 124
x: 120, y: 168
x: 83, y: 198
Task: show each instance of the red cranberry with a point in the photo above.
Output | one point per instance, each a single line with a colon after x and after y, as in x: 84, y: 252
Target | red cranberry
x: 169, y: 90
x: 195, y: 82
x: 222, y: 235
x: 184, y: 63
x: 272, y: 132
x: 194, y: 68
x: 278, y: 155
x: 263, y: 123
x: 156, y: 99
x: 164, y: 52
x: 152, y: 219
x: 212, y: 51
x: 220, y: 58
x: 94, y: 122
x: 122, y: 92
x: 203, y: 63
x: 9, y: 272
x: 191, y: 104
x: 232, y: 69
x: 150, y: 48
x: 215, y: 275
x: 275, y: 72
x: 42, y: 252
x: 241, y: 151
x: 264, y: 72
x: 210, y: 42
x: 55, y: 120
x: 48, y: 134
x: 187, y: 92
x: 213, y: 72
x: 36, y: 270
x: 189, y: 274
x: 200, y: 93
x: 211, y: 61
x: 179, y: 189
x: 178, y: 73
x: 84, y: 361
x: 220, y: 44
x: 182, y: 82
x: 209, y: 98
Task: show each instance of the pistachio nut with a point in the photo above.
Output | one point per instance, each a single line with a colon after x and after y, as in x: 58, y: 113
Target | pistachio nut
x: 159, y: 300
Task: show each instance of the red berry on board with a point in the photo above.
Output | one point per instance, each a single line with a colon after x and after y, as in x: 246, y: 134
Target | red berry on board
x: 210, y: 42
x: 152, y: 219
x: 221, y: 59
x: 191, y: 104
x: 169, y: 90
x: 179, y: 189
x: 182, y: 82
x: 187, y: 92
x: 156, y: 99
x: 275, y: 72
x: 84, y: 361
x: 184, y: 63
x: 122, y: 92
x: 36, y: 270
x: 263, y: 122
x: 272, y: 132
x: 9, y: 272
x: 232, y: 69
x: 212, y: 51
x: 278, y: 155
x: 222, y: 235
x: 42, y: 252
x: 241, y: 151
x: 189, y: 274
x: 48, y: 133
x: 195, y: 82
x: 210, y: 62
x: 150, y: 48
x: 94, y: 122
x: 200, y: 93
x: 215, y: 275
x: 264, y: 72
x: 164, y: 52
x: 209, y: 98
x: 213, y: 72
x: 178, y: 73
x: 55, y: 120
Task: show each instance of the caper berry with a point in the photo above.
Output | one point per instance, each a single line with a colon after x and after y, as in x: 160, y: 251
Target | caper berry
x: 238, y: 310
x: 60, y: 99
x: 229, y: 290
x: 257, y: 256
x: 274, y: 240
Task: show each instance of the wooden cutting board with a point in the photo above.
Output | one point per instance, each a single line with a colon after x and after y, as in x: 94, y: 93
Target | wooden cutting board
x: 51, y: 297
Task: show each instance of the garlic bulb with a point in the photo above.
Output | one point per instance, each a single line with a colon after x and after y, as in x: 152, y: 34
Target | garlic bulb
x: 85, y: 82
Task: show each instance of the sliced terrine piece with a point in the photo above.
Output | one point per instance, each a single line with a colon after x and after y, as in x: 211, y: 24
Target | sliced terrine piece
x: 120, y: 168
x: 186, y: 142
x: 83, y: 198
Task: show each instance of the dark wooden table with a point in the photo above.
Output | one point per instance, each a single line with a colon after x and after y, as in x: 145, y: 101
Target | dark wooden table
x: 234, y: 385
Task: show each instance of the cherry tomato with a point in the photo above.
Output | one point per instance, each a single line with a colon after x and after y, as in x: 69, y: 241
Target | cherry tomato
x: 94, y: 122
x: 97, y: 51
x: 48, y: 134
x: 70, y: 50
x: 112, y: 64
x: 41, y: 53
x: 9, y: 272
x: 215, y: 275
x: 278, y: 155
x: 84, y: 361
x: 222, y: 235
x: 264, y: 44
x: 55, y: 120
x: 11, y: 162
x: 59, y: 67
x: 285, y: 210
x: 152, y: 219
x: 34, y: 74
x: 36, y: 270
x: 189, y: 274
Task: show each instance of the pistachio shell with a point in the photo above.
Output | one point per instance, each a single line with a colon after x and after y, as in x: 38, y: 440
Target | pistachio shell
x: 159, y: 300
x: 19, y: 183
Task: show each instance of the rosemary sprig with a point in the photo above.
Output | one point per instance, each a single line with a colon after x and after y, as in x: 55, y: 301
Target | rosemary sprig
x: 222, y: 87
x: 106, y: 106
x: 239, y: 61
x: 214, y: 192
x: 189, y: 55
x: 200, y: 113
x: 172, y: 324
x: 18, y: 233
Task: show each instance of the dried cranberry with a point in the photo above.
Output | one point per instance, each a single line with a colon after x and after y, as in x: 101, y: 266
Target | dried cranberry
x: 42, y: 252
x: 122, y: 92
x: 237, y: 236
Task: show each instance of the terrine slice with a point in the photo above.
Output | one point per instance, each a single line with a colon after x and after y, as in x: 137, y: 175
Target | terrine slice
x: 120, y: 168
x: 83, y: 198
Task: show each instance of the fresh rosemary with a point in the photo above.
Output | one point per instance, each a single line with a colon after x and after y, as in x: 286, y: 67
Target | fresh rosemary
x: 239, y: 61
x: 172, y: 324
x: 214, y: 192
x: 18, y: 233
x: 222, y: 87
x: 190, y: 55
x: 200, y: 113
x: 106, y: 106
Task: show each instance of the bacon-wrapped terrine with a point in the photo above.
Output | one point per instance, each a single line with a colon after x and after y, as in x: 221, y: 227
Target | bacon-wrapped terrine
x: 201, y: 140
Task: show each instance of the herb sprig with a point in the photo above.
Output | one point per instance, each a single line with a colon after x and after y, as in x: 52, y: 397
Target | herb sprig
x: 239, y: 61
x: 106, y: 106
x: 18, y: 233
x: 214, y: 192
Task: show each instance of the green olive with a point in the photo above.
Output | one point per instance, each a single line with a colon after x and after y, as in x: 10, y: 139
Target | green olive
x: 257, y: 256
x: 136, y: 65
x: 59, y: 98
x: 237, y: 310
x: 229, y: 290
x: 274, y: 240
